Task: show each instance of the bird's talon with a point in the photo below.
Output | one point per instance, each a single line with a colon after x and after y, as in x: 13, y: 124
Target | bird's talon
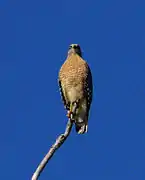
x: 69, y: 114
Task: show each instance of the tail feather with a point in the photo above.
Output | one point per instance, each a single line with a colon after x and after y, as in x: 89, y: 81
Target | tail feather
x: 81, y: 128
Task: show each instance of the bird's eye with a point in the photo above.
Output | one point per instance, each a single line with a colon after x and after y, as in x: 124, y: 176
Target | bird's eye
x: 69, y: 47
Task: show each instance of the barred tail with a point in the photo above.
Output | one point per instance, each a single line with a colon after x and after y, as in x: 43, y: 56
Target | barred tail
x: 81, y: 128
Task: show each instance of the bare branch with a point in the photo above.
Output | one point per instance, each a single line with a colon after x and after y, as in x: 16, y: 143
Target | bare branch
x: 59, y: 141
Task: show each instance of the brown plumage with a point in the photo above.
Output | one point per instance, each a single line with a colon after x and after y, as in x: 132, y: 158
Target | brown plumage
x: 75, y: 83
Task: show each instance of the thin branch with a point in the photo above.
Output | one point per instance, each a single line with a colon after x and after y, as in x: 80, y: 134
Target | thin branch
x: 59, y: 141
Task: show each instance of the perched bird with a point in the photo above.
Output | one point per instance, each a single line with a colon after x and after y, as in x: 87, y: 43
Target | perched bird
x: 75, y: 82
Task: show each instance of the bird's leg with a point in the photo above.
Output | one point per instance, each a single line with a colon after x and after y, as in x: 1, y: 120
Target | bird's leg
x: 69, y: 113
x: 72, y: 111
x: 70, y: 116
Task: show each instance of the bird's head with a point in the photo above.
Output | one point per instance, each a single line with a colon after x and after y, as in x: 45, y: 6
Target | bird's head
x: 75, y: 48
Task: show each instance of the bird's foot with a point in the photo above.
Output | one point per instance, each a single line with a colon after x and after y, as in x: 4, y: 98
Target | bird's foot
x: 70, y: 115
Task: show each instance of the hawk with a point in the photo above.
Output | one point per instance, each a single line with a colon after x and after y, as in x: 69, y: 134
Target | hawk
x: 75, y: 82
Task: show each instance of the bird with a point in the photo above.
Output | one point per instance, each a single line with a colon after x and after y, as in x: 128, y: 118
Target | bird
x: 76, y: 88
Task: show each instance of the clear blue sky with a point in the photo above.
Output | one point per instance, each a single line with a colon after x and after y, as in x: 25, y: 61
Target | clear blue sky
x: 34, y: 37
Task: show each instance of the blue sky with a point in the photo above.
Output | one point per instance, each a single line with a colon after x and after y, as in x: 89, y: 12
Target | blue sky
x: 34, y: 37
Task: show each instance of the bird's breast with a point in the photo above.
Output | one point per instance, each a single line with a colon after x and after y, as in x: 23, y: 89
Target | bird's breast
x: 74, y: 94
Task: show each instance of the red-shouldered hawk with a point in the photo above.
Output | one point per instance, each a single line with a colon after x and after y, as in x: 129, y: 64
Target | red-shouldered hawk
x: 75, y: 81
